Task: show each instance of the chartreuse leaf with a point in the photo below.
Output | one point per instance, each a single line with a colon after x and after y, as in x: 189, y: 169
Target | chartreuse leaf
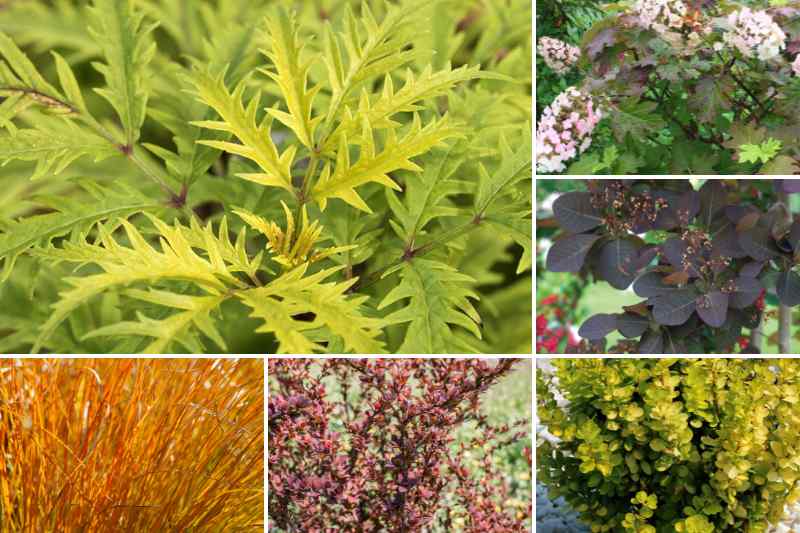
x: 373, y: 166
x: 280, y: 302
x: 382, y: 49
x: 291, y: 248
x: 515, y: 166
x: 291, y: 75
x: 195, y: 312
x: 255, y: 138
x: 72, y: 215
x: 438, y: 298
x: 759, y: 153
x: 428, y: 84
x: 53, y: 145
x: 127, y: 47
x: 140, y: 262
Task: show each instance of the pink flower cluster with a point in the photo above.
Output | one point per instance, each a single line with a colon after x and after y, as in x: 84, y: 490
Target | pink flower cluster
x: 565, y: 129
x: 796, y: 65
x: 558, y: 55
x: 660, y: 15
x: 755, y: 34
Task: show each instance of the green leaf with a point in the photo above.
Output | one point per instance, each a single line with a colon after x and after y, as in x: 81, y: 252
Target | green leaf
x: 75, y: 214
x: 438, y: 297
x: 140, y: 262
x: 128, y: 48
x: 175, y: 330
x: 755, y: 153
x: 514, y: 168
x: 373, y: 166
x: 293, y: 294
x: 255, y: 138
x: 54, y: 145
x: 634, y: 117
x: 291, y: 75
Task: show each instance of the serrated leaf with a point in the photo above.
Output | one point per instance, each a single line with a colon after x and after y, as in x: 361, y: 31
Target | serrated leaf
x: 373, y: 166
x: 71, y: 216
x: 255, y: 138
x: 569, y: 253
x: 54, y: 145
x: 634, y: 117
x: 575, y: 213
x: 125, y: 265
x: 291, y: 75
x: 439, y: 299
x: 515, y: 167
x: 175, y: 330
x: 763, y: 153
x: 128, y: 48
x: 428, y: 84
x: 281, y: 302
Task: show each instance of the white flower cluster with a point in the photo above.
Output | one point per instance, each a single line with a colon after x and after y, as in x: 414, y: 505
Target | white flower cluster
x: 558, y: 55
x: 796, y: 65
x: 755, y: 34
x: 565, y: 129
x: 660, y: 15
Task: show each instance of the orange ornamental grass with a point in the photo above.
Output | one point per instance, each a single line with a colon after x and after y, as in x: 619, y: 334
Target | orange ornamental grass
x: 131, y: 445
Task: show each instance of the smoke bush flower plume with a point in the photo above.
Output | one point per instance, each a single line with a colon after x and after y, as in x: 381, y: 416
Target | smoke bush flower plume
x: 660, y: 15
x: 565, y: 129
x: 558, y: 55
x: 755, y: 34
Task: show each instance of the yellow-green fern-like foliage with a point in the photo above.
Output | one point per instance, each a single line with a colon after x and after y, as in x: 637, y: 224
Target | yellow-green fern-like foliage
x: 265, y: 176
x: 663, y: 445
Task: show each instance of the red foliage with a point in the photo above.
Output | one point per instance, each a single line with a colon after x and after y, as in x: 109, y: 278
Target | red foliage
x: 384, y: 461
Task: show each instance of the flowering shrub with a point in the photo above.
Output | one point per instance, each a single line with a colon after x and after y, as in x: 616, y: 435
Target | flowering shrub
x: 755, y: 34
x: 701, y: 260
x: 565, y: 129
x: 558, y: 55
x: 694, y: 446
x: 685, y: 88
x: 368, y: 445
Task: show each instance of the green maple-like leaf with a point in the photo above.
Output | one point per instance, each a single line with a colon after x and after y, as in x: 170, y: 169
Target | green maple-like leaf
x: 763, y: 153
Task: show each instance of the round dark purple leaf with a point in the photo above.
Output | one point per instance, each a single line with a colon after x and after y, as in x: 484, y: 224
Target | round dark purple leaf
x: 632, y: 326
x: 788, y: 185
x: 713, y: 308
x: 674, y: 250
x: 725, y: 241
x: 616, y: 263
x: 652, y: 284
x: 788, y: 288
x: 598, y: 327
x: 652, y: 344
x: 674, y: 308
x: 569, y: 253
x: 735, y: 213
x: 713, y: 198
x: 672, y: 345
x: 575, y: 213
x: 757, y: 243
x: 794, y: 236
x: 752, y: 269
x: 747, y: 291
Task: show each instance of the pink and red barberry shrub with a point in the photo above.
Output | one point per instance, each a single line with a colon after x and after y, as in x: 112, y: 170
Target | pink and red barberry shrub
x: 370, y: 445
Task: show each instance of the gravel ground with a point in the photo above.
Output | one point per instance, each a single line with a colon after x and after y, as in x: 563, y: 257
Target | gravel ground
x: 555, y: 516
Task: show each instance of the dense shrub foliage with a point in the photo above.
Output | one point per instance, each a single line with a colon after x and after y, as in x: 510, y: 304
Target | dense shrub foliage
x: 701, y: 260
x: 368, y: 445
x: 664, y: 445
x: 682, y: 87
x: 131, y: 445
x: 269, y: 176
